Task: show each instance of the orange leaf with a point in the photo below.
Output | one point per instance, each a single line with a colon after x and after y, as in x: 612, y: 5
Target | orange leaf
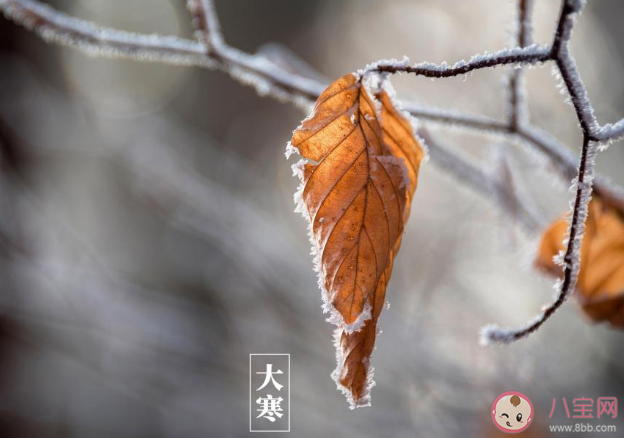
x: 359, y: 172
x: 601, y: 278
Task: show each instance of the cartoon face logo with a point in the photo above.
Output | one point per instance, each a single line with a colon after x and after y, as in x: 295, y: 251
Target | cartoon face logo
x: 512, y: 412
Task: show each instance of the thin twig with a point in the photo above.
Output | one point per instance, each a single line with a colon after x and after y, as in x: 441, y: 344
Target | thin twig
x: 266, y: 77
x: 517, y: 56
x: 560, y: 158
x: 488, y: 186
x: 583, y: 184
x: 57, y: 27
x: 254, y: 70
x: 571, y: 259
x: 518, y: 113
x: 270, y: 79
x: 567, y: 67
x: 206, y: 23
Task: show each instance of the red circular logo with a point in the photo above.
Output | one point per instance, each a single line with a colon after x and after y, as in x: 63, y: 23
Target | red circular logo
x: 512, y: 412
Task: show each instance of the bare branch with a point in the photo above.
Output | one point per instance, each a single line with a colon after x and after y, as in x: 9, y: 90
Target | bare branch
x: 525, y: 25
x: 517, y: 56
x: 256, y: 71
x: 518, y: 113
x: 490, y: 188
x: 572, y: 258
x: 567, y: 67
x: 270, y: 79
x: 451, y: 118
x: 582, y: 185
x: 206, y: 23
x: 610, y: 132
x: 56, y: 27
x: 560, y: 158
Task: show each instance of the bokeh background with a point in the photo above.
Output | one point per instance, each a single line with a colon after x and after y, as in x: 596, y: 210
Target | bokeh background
x: 148, y: 242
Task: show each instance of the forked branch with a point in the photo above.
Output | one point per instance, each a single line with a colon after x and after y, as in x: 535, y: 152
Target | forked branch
x: 582, y: 185
x: 211, y: 51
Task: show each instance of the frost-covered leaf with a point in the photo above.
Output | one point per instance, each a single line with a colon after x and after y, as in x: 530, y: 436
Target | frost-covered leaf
x: 601, y: 278
x: 359, y: 171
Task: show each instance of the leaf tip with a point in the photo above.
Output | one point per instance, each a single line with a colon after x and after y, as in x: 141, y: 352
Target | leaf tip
x: 362, y: 399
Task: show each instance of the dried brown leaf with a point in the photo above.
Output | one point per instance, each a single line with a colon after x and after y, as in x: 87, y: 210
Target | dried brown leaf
x: 359, y: 172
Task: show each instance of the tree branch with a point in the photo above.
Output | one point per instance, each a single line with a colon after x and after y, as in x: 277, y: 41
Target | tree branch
x: 270, y: 79
x: 266, y: 77
x: 571, y: 260
x: 582, y: 186
x: 518, y: 113
x: 560, y: 158
x: 488, y: 186
x: 206, y: 23
x: 567, y: 67
x: 57, y: 27
x: 517, y: 56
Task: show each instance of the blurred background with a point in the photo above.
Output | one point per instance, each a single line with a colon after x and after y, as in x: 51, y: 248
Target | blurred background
x: 148, y: 242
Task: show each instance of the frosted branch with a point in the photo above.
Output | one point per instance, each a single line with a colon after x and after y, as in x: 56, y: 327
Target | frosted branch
x: 56, y: 27
x: 488, y: 186
x: 256, y: 71
x: 271, y: 79
x: 560, y: 158
x: 572, y: 258
x: 517, y: 56
x: 206, y: 23
x: 567, y: 67
x: 518, y: 113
